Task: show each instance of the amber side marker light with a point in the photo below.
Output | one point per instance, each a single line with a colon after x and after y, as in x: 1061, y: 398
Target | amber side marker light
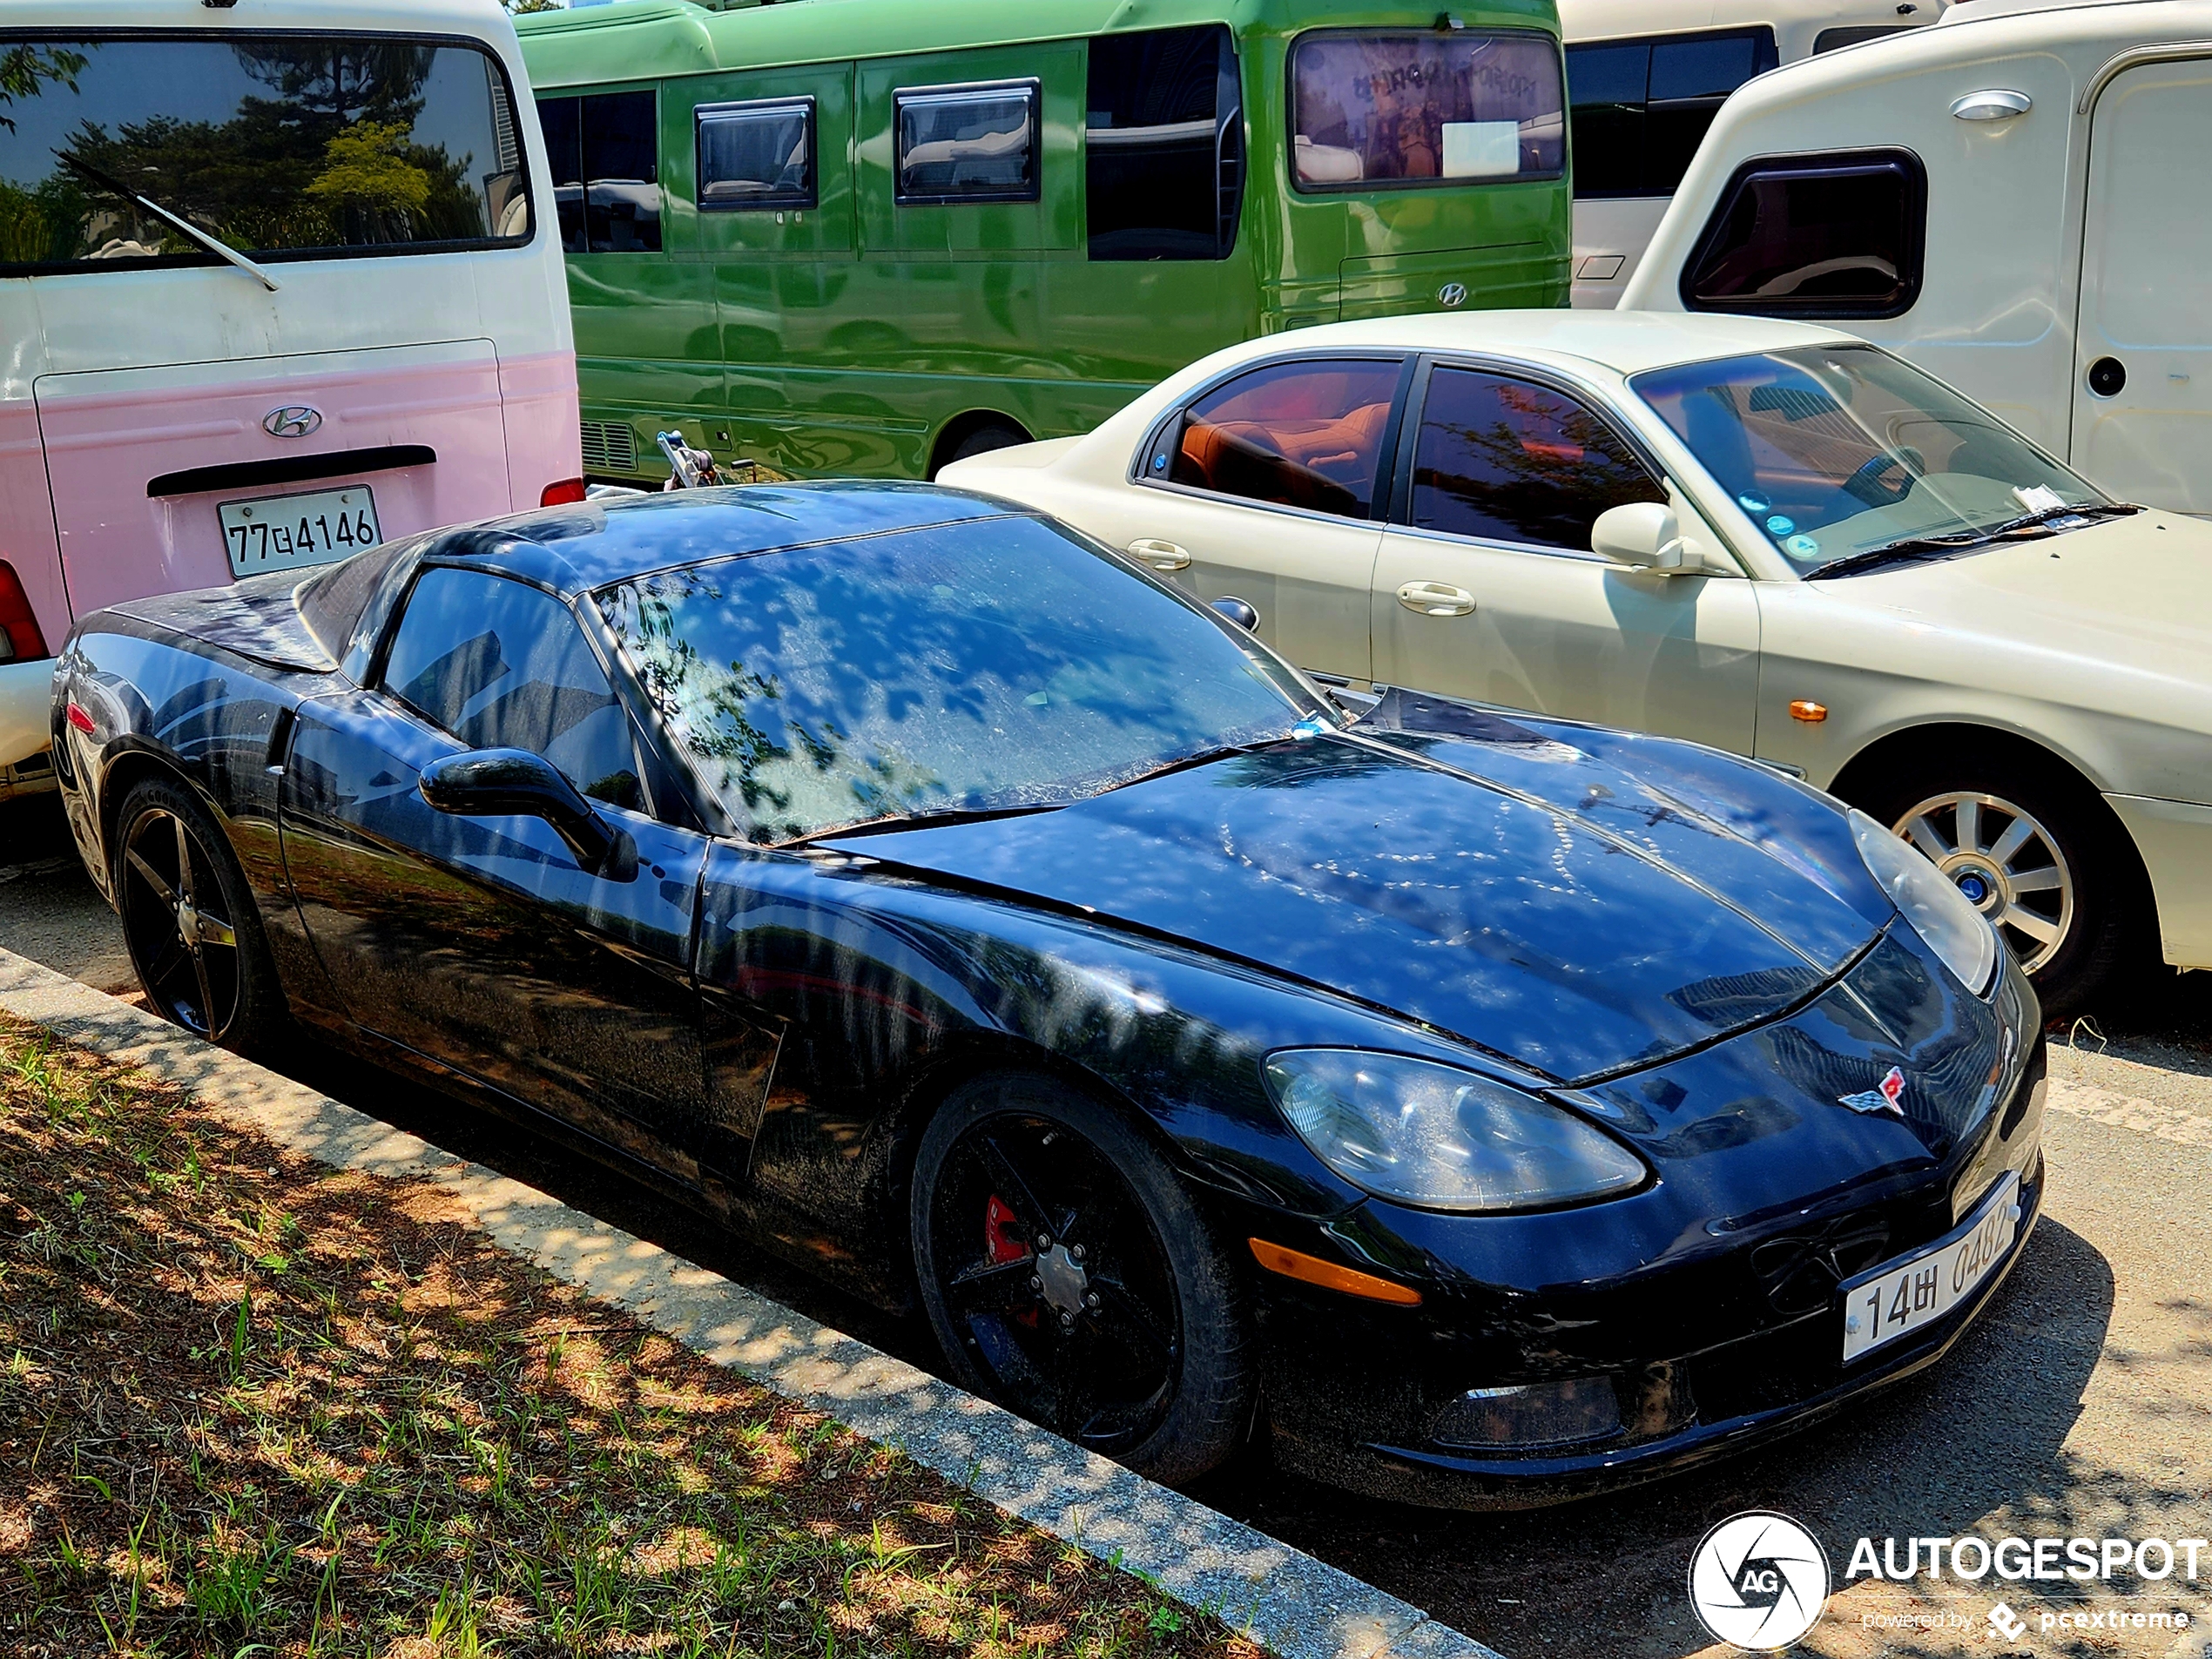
x: 1810, y: 712
x: 1312, y: 1270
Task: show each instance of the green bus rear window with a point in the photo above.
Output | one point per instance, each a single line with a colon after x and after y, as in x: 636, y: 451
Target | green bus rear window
x: 1378, y: 109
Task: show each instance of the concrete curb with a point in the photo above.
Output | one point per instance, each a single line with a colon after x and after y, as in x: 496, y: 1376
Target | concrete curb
x: 1297, y: 1606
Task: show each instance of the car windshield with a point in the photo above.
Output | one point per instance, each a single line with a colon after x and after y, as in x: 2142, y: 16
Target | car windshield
x: 989, y: 666
x: 1838, y: 450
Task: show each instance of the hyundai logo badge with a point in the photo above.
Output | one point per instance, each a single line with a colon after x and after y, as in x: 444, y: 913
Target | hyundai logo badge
x: 293, y: 421
x: 1451, y: 295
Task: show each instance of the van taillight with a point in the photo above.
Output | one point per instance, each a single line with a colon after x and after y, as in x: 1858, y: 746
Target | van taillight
x: 19, y: 628
x: 560, y: 495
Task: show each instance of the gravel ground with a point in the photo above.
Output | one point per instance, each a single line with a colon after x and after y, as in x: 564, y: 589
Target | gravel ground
x: 2081, y: 1408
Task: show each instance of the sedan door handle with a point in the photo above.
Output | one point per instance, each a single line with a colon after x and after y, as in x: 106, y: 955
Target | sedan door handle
x: 1161, y: 556
x: 1436, y: 599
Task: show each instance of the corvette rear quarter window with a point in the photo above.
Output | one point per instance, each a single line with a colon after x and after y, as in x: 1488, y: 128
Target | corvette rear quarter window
x: 1304, y: 433
x: 501, y: 665
x: 1510, y: 460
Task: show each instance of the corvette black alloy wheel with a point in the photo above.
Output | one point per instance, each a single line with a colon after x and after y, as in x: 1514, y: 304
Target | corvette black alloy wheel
x: 188, y: 920
x: 1069, y: 1278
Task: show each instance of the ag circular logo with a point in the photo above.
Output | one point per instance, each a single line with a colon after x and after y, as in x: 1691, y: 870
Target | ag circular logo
x: 1758, y: 1581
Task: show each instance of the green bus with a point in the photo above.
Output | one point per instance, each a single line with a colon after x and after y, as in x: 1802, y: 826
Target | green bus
x: 867, y: 237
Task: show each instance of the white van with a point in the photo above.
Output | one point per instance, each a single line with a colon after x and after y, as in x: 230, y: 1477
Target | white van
x: 1644, y: 78
x: 278, y: 278
x: 2018, y: 200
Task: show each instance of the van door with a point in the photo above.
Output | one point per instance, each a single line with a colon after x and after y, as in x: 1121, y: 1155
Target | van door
x: 2142, y: 382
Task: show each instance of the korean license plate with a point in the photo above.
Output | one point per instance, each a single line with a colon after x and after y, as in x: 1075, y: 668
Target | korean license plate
x: 1902, y: 1295
x: 283, y: 532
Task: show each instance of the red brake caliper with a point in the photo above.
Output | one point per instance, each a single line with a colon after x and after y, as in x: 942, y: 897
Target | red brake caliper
x: 997, y: 1217
x: 1002, y: 1246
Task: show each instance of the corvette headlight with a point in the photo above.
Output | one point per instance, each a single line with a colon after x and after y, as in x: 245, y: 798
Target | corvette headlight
x: 1939, y: 912
x: 1443, y: 1139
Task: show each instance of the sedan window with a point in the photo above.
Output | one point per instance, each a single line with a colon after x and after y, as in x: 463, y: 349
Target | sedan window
x: 995, y: 666
x: 1838, y: 450
x: 1304, y: 433
x: 1508, y: 460
x: 504, y: 666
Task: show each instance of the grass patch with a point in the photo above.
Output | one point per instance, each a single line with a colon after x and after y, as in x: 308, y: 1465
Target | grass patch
x: 251, y: 1405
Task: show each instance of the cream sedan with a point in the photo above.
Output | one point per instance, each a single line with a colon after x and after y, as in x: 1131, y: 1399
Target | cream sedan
x: 1767, y: 536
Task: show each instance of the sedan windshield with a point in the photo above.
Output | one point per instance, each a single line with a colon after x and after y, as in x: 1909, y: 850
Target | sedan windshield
x: 994, y: 666
x: 1839, y: 451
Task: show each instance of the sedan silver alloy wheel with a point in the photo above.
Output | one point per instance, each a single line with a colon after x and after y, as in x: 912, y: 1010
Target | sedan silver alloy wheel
x: 2008, y: 865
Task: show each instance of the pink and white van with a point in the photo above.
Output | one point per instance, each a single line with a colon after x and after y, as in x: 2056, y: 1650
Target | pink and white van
x: 278, y: 278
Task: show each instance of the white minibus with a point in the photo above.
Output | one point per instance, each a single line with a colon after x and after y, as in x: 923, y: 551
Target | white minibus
x: 278, y: 278
x: 2015, y: 200
x: 1644, y: 78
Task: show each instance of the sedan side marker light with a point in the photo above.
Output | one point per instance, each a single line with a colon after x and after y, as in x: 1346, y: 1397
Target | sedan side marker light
x: 80, y: 720
x: 1810, y: 712
x: 1312, y: 1270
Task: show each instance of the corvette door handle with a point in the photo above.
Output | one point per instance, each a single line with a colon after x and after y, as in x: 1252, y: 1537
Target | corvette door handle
x: 1436, y: 599
x: 1161, y: 556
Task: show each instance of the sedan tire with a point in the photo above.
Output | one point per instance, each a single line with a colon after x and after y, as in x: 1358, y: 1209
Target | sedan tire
x: 1069, y: 1277
x: 2035, y: 854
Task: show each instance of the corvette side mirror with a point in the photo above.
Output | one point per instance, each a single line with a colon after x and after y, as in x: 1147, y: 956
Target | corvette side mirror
x: 1642, y: 533
x: 1240, y: 612
x: 501, y: 783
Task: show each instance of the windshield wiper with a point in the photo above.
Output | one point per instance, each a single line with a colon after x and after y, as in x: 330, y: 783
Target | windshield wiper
x: 1920, y: 548
x: 207, y: 239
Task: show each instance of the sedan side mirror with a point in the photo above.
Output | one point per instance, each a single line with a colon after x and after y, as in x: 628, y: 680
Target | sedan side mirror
x: 501, y: 783
x: 1643, y: 534
x: 1240, y: 612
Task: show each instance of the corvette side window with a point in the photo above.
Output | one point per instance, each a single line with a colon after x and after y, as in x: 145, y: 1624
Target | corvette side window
x: 503, y: 666
x: 1296, y: 434
x: 1508, y: 460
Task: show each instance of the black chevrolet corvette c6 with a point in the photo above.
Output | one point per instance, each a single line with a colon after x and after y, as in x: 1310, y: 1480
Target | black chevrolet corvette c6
x: 1484, y: 1108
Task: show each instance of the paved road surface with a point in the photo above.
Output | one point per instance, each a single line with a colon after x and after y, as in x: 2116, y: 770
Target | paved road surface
x: 2082, y: 1407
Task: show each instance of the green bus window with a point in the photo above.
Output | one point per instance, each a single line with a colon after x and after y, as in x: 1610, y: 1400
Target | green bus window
x: 1162, y: 146
x: 967, y: 143
x: 1304, y: 433
x: 756, y: 155
x: 1375, y: 108
x: 605, y: 160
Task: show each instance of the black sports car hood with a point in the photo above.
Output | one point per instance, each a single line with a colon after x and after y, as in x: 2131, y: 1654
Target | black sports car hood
x: 1577, y: 900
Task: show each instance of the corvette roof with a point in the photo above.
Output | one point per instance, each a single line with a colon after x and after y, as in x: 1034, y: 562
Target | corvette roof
x: 574, y: 549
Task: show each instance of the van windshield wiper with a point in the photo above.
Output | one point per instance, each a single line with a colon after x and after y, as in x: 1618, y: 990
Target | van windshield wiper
x: 207, y: 239
x: 1914, y: 550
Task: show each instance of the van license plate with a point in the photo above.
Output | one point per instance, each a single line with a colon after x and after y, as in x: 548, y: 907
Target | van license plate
x: 1902, y: 1295
x: 283, y: 532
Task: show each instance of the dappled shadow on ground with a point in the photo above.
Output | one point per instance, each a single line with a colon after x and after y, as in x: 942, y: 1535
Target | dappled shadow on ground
x: 253, y: 1401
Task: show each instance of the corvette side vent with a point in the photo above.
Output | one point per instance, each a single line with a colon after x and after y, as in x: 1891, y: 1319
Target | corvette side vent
x: 609, y: 446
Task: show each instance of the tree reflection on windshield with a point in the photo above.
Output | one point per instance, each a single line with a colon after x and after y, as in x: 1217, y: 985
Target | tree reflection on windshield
x: 977, y: 667
x: 273, y: 143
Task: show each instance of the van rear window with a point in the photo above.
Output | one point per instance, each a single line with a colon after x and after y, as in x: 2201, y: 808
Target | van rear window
x: 1376, y: 108
x: 282, y: 147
